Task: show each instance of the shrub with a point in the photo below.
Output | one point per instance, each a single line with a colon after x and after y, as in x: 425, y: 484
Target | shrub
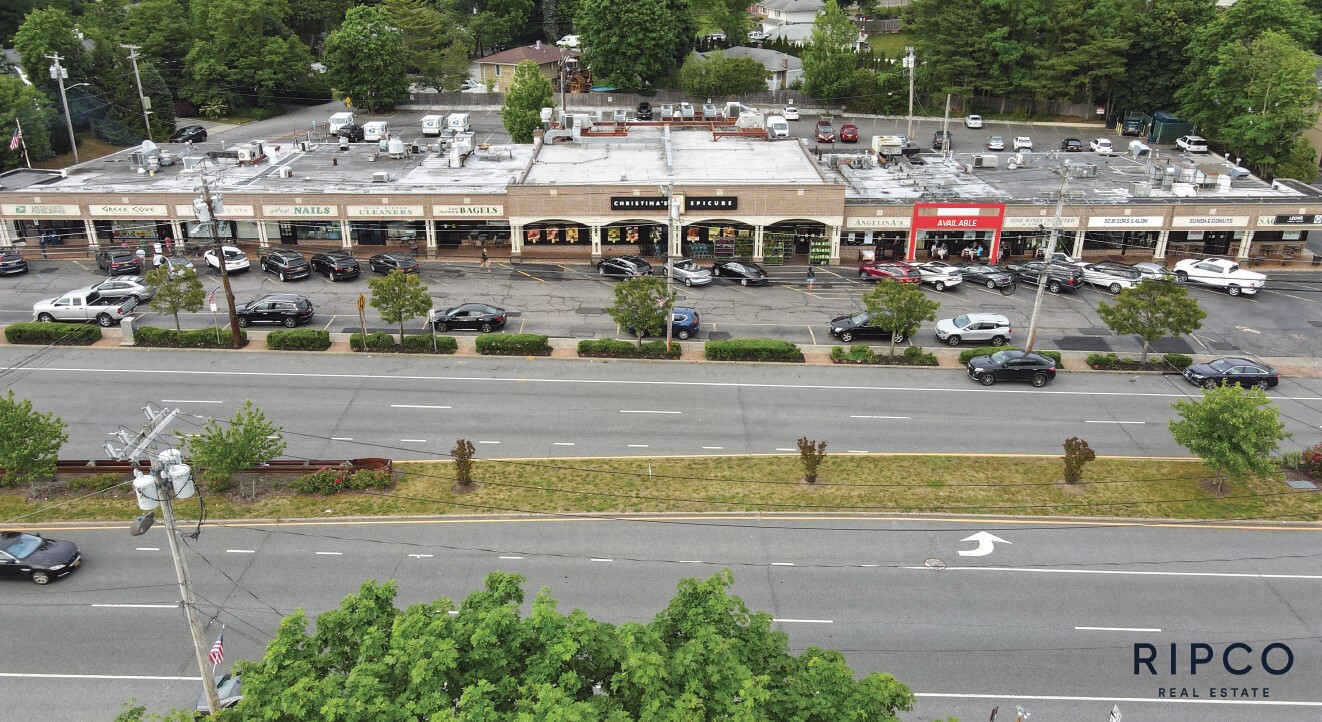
x: 513, y: 344
x: 331, y: 480
x: 615, y: 348
x: 299, y: 339
x: 191, y: 338
x: 422, y: 343
x: 65, y: 334
x: 811, y: 454
x: 1077, y: 453
x: 967, y: 354
x: 917, y: 355
x: 463, y: 462
x: 858, y: 353
x: 1178, y: 360
x: 1102, y: 359
x: 95, y: 482
x: 752, y: 349
x: 379, y: 341
x: 1311, y: 463
x: 1293, y: 459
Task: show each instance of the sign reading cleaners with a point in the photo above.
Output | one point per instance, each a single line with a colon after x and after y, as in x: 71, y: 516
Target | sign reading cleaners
x: 954, y: 217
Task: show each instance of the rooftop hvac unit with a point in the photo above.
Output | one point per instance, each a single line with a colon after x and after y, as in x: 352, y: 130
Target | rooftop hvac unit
x: 985, y: 161
x: 249, y: 153
x: 303, y: 145
x: 380, y: 176
x: 284, y: 171
x: 1140, y: 189
x: 1087, y: 170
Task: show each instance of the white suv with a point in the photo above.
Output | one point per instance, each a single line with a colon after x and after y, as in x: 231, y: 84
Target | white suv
x: 973, y: 121
x: 1022, y: 143
x: 974, y: 327
x: 1191, y: 144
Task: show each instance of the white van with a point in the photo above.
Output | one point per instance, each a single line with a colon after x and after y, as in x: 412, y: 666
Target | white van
x: 338, y: 120
x: 777, y: 127
x: 432, y: 124
x: 376, y: 130
x: 458, y: 122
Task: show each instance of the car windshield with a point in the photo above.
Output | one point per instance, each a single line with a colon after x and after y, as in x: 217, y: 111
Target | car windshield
x: 1000, y: 357
x: 21, y: 546
x: 1221, y: 365
x: 859, y: 318
x: 1232, y: 268
x: 961, y: 321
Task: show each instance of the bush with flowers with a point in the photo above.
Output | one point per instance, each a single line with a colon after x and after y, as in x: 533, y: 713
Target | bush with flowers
x: 332, y: 480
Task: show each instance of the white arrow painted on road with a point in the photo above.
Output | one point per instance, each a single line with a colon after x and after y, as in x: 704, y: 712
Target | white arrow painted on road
x: 986, y: 542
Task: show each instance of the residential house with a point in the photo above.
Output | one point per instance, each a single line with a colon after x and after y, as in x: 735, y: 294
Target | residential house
x: 498, y: 69
x: 782, y: 69
x: 775, y: 13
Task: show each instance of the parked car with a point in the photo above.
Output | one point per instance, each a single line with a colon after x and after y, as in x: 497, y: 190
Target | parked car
x: 889, y: 270
x: 124, y: 287
x: 1012, y: 366
x: 288, y: 309
x: 1101, y: 146
x: 1220, y: 273
x: 973, y: 121
x: 748, y: 274
x: 849, y: 133
x: 1114, y: 277
x: 942, y: 140
x: 11, y: 262
x: 1191, y: 144
x: 992, y: 277
x: 229, y: 688
x: 473, y: 316
x: 1242, y: 371
x: 285, y: 264
x: 684, y: 323
x: 1059, y: 276
x: 176, y: 264
x: 34, y: 557
x: 860, y: 325
x: 84, y: 305
x: 1071, y: 145
x: 985, y: 327
x: 470, y: 85
x: 940, y: 275
x: 624, y: 266
x: 791, y: 113
x: 996, y: 142
x: 1023, y: 143
x: 1154, y: 271
x: 756, y: 35
x: 352, y: 131
x: 336, y: 265
x: 115, y: 261
x: 189, y: 134
x: 386, y: 262
x: 825, y: 133
x: 644, y: 111
x: 234, y: 259
x: 689, y: 272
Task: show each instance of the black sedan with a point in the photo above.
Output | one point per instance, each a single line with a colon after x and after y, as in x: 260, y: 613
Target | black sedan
x: 990, y: 276
x: 748, y: 274
x: 283, y: 308
x: 475, y: 316
x: 29, y: 556
x: 11, y: 263
x: 1242, y: 371
x: 286, y: 264
x: 1012, y: 366
x: 189, y: 134
x: 624, y: 266
x: 860, y: 325
x: 1071, y: 145
x: 387, y: 262
x: 336, y: 265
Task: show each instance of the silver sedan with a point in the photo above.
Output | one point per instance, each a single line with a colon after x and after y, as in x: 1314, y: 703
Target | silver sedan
x: 689, y: 273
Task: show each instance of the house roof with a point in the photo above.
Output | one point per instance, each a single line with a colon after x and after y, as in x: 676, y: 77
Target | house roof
x: 772, y: 60
x: 540, y: 53
x: 794, y: 6
x: 794, y: 32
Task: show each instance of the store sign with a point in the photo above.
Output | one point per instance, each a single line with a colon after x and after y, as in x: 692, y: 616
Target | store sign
x: 468, y: 210
x: 1308, y: 219
x: 1210, y: 222
x: 299, y: 211
x: 1126, y: 222
x: 39, y: 209
x: 126, y: 210
x: 957, y: 217
x: 231, y: 211
x: 1031, y: 223
x: 639, y: 203
x: 711, y: 203
x: 386, y: 211
x: 877, y: 222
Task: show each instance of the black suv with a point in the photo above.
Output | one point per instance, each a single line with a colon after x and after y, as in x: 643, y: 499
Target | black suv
x: 1060, y: 276
x: 286, y: 264
x: 941, y: 140
x: 352, y: 131
x: 1012, y: 366
x: 336, y: 265
x: 284, y: 308
x: 189, y: 134
x: 117, y: 261
x: 644, y: 111
x: 859, y: 325
x: 625, y: 266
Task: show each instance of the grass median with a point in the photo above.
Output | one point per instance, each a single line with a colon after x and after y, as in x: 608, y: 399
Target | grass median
x: 847, y: 484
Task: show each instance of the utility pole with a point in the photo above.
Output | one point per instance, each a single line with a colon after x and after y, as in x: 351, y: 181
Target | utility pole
x: 672, y: 226
x: 207, y: 214
x: 909, y: 63
x: 169, y: 478
x: 945, y: 131
x: 1045, y: 277
x: 143, y: 100
x: 58, y: 73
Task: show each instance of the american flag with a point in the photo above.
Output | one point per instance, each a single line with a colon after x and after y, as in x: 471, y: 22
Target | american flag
x: 18, y: 138
x: 217, y: 653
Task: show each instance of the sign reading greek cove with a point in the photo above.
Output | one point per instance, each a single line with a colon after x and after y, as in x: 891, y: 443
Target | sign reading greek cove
x: 385, y: 211
x: 38, y: 209
x: 877, y: 222
x: 1125, y: 222
x: 1032, y: 222
x: 231, y: 211
x: 1210, y: 222
x: 126, y: 209
x: 299, y: 211
x: 468, y: 210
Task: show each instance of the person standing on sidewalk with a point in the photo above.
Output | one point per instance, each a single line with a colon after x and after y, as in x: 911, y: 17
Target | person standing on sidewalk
x: 486, y: 260
x: 812, y: 276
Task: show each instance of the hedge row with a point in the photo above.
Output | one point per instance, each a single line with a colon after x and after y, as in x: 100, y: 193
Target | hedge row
x: 65, y: 334
x: 615, y: 348
x: 863, y: 354
x: 970, y: 353
x: 329, y: 480
x: 382, y: 342
x: 1110, y: 361
x: 190, y: 338
x: 299, y: 339
x: 513, y: 344
x: 752, y: 349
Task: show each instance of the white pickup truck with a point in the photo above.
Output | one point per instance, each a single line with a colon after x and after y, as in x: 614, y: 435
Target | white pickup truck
x: 84, y: 305
x: 1221, y: 273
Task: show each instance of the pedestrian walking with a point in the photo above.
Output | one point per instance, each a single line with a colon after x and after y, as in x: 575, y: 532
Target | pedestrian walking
x: 486, y: 260
x: 812, y: 276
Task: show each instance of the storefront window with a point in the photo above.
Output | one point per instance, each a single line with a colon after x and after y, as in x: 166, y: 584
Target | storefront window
x: 555, y: 234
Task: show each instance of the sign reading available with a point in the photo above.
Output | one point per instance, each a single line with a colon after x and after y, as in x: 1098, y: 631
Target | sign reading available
x: 958, y: 216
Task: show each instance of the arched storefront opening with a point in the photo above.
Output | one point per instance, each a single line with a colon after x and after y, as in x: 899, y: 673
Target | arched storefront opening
x: 717, y: 239
x: 644, y: 238
x: 784, y: 240
x: 859, y: 245
x: 452, y: 235
x: 1124, y: 245
x: 556, y: 239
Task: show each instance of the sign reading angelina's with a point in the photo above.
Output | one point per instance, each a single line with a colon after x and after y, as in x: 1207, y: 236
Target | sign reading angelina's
x: 469, y: 210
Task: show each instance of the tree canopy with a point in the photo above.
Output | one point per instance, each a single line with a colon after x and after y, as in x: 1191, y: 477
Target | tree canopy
x: 718, y: 75
x: 222, y: 449
x: 365, y: 59
x: 899, y: 308
x: 1152, y: 310
x: 629, y: 45
x: 643, y: 305
x: 30, y: 441
x: 1233, y: 429
x: 398, y: 297
x: 528, y: 94
x: 829, y: 58
x: 244, y: 54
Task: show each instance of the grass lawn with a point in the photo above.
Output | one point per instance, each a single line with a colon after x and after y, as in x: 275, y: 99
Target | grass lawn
x: 890, y: 44
x: 847, y: 484
x: 89, y: 147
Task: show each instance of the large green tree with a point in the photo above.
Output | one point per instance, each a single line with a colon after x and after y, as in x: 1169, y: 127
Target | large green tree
x: 729, y: 16
x: 829, y: 58
x: 365, y: 59
x: 899, y: 308
x: 496, y: 22
x: 642, y: 306
x: 626, y: 45
x: 528, y: 94
x: 162, y: 30
x: 50, y: 31
x: 30, y: 441
x: 1163, y: 31
x: 1085, y: 51
x: 311, y: 20
x: 175, y: 291
x: 244, y: 54
x: 399, y: 297
x: 1234, y: 430
x: 224, y: 448
x: 718, y: 75
x: 33, y: 110
x: 428, y: 33
x: 941, y: 35
x: 1152, y: 310
x: 119, y: 120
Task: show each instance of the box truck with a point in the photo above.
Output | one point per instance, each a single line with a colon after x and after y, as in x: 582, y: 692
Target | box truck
x: 338, y: 120
x: 376, y: 130
x: 458, y: 122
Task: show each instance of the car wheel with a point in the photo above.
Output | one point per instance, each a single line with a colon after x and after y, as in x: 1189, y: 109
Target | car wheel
x: 1054, y: 286
x: 41, y: 577
x: 1115, y: 288
x: 1209, y: 383
x: 1181, y: 276
x: 105, y: 321
x: 743, y: 282
x: 715, y: 271
x: 940, y: 286
x: 1233, y: 290
x: 290, y: 322
x: 846, y: 337
x: 991, y: 285
x: 243, y: 322
x: 486, y: 328
x: 1039, y: 380
x: 45, y: 317
x: 688, y: 282
x: 987, y: 378
x: 901, y: 338
x: 439, y: 326
x: 953, y: 340
x: 601, y: 270
x: 998, y: 341
x: 862, y: 273
x: 683, y: 335
x: 281, y: 276
x: 1262, y: 384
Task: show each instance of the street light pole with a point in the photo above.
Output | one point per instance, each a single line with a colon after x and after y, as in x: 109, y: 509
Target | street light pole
x: 1045, y: 276
x: 909, y: 63
x: 671, y: 226
x: 58, y: 73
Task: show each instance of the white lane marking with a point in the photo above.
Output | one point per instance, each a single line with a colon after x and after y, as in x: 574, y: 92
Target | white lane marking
x: 562, y: 443
x: 1118, y: 629
x: 1232, y: 575
x: 878, y: 417
x: 633, y: 411
x: 331, y: 554
x: 341, y: 438
x: 189, y: 401
x: 414, y: 441
x: 150, y: 678
x: 241, y: 551
x: 1115, y: 422
x: 509, y: 558
x: 637, y: 446
x: 782, y: 564
x: 786, y: 449
x: 1138, y: 700
x: 422, y: 556
x: 488, y: 442
x: 148, y: 549
x: 856, y: 451
x: 869, y: 566
x: 602, y: 560
x: 804, y: 621
x: 416, y: 406
x: 714, y: 448
x: 138, y: 606
x: 690, y: 561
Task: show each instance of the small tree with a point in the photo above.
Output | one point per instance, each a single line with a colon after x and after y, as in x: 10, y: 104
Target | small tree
x: 175, y: 291
x: 1235, y: 430
x: 643, y: 306
x: 899, y: 308
x: 1077, y: 453
x: 463, y: 462
x: 811, y: 454
x: 1153, y: 310
x: 30, y: 441
x: 528, y: 94
x: 398, y: 297
x: 225, y: 448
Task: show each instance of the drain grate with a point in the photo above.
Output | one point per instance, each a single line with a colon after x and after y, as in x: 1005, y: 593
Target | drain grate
x: 1301, y: 484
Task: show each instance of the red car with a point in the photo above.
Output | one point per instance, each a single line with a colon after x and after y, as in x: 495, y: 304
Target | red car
x: 849, y: 134
x: 825, y: 133
x: 892, y: 270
